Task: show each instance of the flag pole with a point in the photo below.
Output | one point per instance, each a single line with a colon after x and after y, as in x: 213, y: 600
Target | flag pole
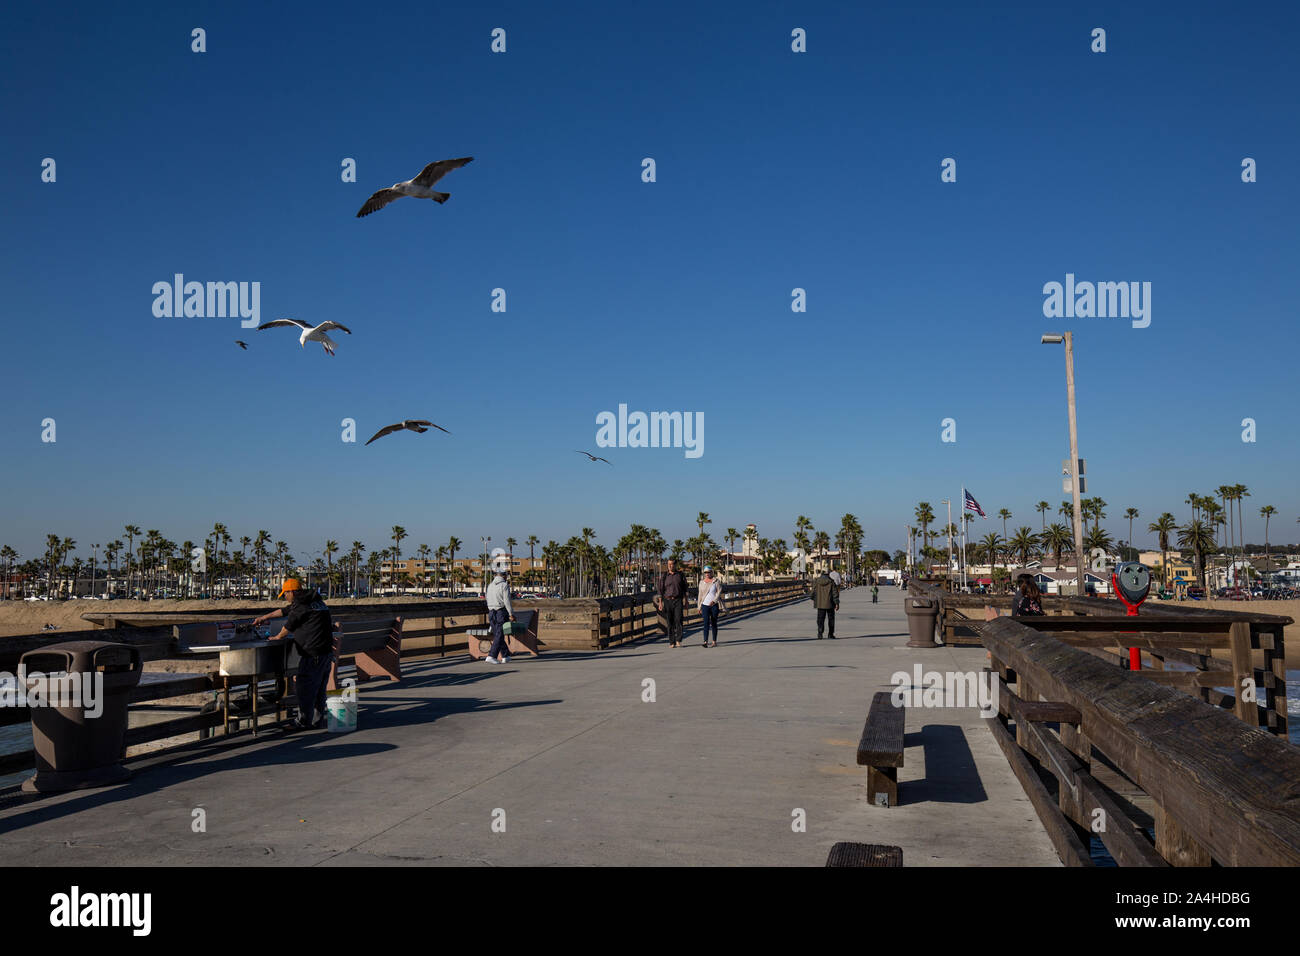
x: 963, y: 537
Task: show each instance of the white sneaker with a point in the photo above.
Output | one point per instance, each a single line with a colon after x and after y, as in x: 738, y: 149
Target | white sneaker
x: 504, y: 660
x: 490, y: 660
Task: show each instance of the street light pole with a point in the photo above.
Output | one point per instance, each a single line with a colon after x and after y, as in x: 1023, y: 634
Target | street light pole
x: 948, y: 502
x: 1068, y: 338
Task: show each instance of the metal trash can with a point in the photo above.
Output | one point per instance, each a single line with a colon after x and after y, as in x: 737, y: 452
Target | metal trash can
x: 79, y: 734
x: 922, y: 615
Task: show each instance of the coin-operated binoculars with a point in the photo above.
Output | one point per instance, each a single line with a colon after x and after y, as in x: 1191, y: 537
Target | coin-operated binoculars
x: 1132, y: 583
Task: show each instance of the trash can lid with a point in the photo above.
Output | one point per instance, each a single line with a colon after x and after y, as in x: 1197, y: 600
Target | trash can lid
x: 89, y: 654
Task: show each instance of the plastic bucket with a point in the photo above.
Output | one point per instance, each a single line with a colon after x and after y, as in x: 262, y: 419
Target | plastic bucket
x: 340, y: 712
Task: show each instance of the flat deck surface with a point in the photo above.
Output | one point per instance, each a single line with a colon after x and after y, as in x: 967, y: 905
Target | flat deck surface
x: 581, y: 769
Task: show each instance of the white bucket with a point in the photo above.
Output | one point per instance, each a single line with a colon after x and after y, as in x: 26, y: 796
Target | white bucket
x: 340, y: 712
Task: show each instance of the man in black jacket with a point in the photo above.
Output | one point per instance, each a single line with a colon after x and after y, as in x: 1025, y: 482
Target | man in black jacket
x: 671, y: 600
x: 308, y: 621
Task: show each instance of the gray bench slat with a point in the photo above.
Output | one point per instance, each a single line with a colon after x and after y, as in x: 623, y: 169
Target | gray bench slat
x: 882, y: 736
x: 865, y: 854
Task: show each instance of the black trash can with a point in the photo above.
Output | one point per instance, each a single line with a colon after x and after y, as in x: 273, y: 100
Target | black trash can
x: 922, y: 614
x: 79, y: 734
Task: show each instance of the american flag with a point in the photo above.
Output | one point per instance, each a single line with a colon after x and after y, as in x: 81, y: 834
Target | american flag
x: 972, y: 505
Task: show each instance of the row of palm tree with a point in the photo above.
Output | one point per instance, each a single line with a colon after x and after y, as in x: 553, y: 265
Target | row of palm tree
x: 1199, y: 535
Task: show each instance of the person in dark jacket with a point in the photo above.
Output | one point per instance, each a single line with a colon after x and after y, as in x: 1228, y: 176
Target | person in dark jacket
x: 1027, y: 601
x: 670, y: 599
x: 825, y: 596
x: 308, y: 622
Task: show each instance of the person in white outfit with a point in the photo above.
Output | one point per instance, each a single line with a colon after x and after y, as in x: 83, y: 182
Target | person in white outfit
x: 710, y: 602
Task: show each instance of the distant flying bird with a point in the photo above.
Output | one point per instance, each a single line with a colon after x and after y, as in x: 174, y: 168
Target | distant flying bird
x: 593, y: 457
x: 310, y: 333
x: 411, y: 424
x: 417, y: 188
x: 242, y: 345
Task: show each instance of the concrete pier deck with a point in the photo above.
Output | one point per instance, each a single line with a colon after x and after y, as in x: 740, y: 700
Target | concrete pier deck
x: 583, y: 770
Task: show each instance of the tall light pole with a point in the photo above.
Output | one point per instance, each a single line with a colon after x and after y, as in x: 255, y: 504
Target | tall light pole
x: 1068, y: 339
x: 948, y: 502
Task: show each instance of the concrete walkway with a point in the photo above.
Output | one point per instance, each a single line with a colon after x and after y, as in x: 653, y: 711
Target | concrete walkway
x: 582, y: 770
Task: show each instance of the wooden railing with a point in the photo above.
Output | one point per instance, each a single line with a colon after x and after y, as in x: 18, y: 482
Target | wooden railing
x: 1159, y: 776
x: 1183, y: 637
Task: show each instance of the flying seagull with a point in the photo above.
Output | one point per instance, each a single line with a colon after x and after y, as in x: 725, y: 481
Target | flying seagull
x: 242, y: 345
x: 419, y: 188
x: 310, y: 333
x: 593, y: 457
x: 411, y: 424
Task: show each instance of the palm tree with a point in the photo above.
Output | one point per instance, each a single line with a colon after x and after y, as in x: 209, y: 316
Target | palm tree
x: 1162, y: 527
x: 1024, y: 544
x: 1196, y: 536
x: 1266, y: 513
x: 8, y: 555
x: 454, y: 545
x: 1005, y: 515
x: 1042, y: 508
x: 924, y: 515
x: 1131, y: 513
x: 397, y: 534
x: 1098, y: 538
x: 66, y: 547
x: 355, y: 553
x: 131, y: 531
x: 991, y: 543
x: 1239, y: 493
x: 532, y: 541
x: 1057, y: 536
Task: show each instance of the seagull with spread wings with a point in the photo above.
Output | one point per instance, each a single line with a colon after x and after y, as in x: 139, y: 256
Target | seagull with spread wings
x: 419, y: 425
x: 421, y: 187
x: 310, y: 333
x: 242, y: 344
x: 593, y: 457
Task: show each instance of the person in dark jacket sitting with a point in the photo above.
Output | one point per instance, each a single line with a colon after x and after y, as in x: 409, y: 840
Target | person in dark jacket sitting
x: 308, y: 622
x: 825, y: 595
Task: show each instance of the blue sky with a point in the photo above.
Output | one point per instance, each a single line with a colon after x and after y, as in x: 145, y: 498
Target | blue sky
x: 775, y: 170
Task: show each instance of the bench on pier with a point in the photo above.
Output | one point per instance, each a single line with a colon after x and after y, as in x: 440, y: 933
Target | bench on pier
x: 521, y: 636
x: 375, y: 647
x: 881, y: 749
x: 865, y: 854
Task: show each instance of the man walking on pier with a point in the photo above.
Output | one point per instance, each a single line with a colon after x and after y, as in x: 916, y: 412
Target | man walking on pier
x: 499, y: 609
x: 671, y: 600
x: 308, y: 622
x: 826, y: 598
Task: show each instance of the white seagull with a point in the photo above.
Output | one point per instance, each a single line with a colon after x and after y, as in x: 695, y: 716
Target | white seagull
x: 310, y: 333
x: 419, y: 188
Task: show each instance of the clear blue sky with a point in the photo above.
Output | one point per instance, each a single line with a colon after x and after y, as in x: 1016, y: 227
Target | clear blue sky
x: 775, y: 170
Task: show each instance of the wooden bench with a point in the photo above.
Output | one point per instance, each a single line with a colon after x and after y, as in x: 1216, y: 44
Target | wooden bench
x: 480, y: 638
x: 865, y: 854
x: 374, y: 646
x: 881, y: 749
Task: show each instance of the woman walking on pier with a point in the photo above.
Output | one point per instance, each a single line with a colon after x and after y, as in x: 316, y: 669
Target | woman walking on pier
x: 710, y: 601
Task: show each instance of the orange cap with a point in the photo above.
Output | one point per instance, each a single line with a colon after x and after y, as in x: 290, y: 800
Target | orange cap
x: 290, y: 584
